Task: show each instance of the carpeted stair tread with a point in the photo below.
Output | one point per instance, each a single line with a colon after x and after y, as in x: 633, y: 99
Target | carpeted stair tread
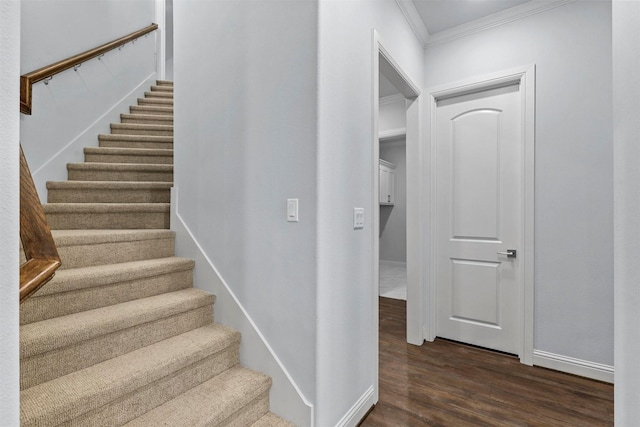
x: 151, y: 109
x: 120, y: 172
x: 147, y: 119
x: 271, y: 420
x: 136, y: 141
x: 51, y: 334
x: 76, y: 216
x: 162, y: 88
x: 168, y: 83
x: 155, y: 101
x: 84, y: 248
x: 51, y: 208
x: 216, y: 402
x: 86, y: 288
x: 108, y: 192
x: 136, y: 138
x: 70, y: 396
x: 118, y: 166
x: 141, y: 129
x: 128, y: 155
x: 158, y: 94
x: 48, y: 366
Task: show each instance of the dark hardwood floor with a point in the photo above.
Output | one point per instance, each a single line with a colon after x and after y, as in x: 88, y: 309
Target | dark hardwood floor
x: 450, y: 384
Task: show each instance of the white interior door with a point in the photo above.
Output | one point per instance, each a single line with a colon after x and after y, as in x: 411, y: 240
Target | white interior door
x: 479, y: 143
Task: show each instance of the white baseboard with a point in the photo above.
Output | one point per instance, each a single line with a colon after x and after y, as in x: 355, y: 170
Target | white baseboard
x: 55, y: 169
x: 583, y: 368
x: 286, y: 398
x: 359, y: 409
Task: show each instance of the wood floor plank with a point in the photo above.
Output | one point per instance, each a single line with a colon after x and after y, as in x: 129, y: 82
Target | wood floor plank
x: 451, y: 384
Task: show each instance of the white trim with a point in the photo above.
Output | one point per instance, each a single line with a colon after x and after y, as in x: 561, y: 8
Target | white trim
x: 358, y: 410
x: 396, y: 76
x: 497, y: 19
x: 375, y: 209
x: 161, y: 41
x: 287, y: 400
x: 570, y: 365
x: 415, y: 21
x: 391, y: 99
x: 392, y: 134
x: 525, y: 76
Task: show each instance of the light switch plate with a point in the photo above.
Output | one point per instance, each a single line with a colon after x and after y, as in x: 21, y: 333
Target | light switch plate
x: 292, y: 210
x: 358, y: 218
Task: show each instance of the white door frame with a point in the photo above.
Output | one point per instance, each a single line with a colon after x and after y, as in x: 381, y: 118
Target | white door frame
x: 525, y: 77
x: 161, y: 35
x: 415, y: 189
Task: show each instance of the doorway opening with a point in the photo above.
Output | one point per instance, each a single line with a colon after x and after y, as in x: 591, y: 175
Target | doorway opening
x: 392, y: 131
x: 400, y: 135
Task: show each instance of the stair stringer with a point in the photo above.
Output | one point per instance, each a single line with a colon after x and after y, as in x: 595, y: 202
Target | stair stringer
x: 55, y: 169
x: 287, y: 400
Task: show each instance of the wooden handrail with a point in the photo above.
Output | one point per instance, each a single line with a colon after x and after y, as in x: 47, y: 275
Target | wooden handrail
x: 27, y: 80
x: 37, y: 242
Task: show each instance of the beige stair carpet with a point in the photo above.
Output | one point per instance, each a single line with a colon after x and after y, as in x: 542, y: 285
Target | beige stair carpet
x: 120, y: 336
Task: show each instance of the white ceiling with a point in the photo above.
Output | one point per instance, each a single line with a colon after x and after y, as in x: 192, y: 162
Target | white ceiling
x: 438, y: 21
x: 441, y: 15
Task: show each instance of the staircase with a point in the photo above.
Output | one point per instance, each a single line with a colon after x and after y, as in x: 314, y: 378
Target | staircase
x: 120, y: 336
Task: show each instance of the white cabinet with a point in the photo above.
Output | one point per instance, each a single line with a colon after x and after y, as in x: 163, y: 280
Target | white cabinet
x: 387, y: 176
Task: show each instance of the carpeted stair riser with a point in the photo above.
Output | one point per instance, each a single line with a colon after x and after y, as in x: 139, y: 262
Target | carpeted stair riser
x: 249, y: 414
x: 128, y: 155
x: 118, y: 216
x: 160, y: 102
x: 139, y: 141
x: 151, y: 109
x: 147, y: 119
x: 66, y: 344
x: 119, y: 172
x: 64, y: 331
x: 135, y: 404
x: 108, y: 192
x: 85, y: 248
x: 166, y: 89
x: 242, y: 398
x: 112, y: 380
x: 271, y: 420
x: 138, y: 129
x: 56, y: 363
x: 159, y: 94
x: 80, y: 289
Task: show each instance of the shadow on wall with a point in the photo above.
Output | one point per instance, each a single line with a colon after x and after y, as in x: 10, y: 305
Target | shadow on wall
x: 385, y: 214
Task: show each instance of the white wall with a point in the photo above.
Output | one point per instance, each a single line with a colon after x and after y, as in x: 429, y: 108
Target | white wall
x: 392, y: 114
x: 9, y: 211
x: 245, y: 131
x: 346, y: 336
x: 571, y: 48
x: 75, y: 106
x: 626, y: 108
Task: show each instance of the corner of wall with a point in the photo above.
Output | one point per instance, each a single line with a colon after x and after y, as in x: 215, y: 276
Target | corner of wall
x: 255, y: 352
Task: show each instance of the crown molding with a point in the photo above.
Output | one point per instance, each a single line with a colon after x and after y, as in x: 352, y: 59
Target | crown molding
x: 415, y: 21
x: 497, y: 19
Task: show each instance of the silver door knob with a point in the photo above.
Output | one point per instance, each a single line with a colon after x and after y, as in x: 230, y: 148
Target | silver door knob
x: 510, y: 253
